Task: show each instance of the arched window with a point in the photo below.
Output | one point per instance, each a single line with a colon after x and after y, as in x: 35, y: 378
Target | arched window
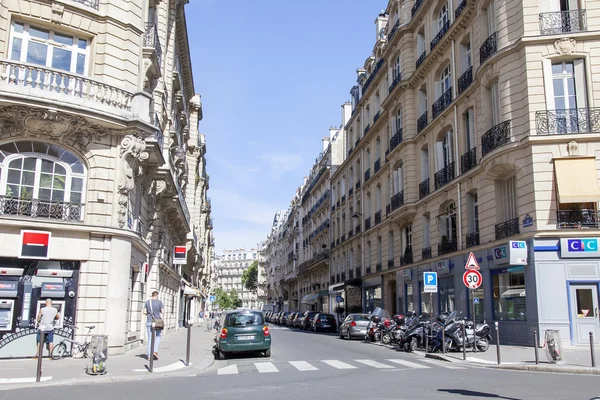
x: 447, y: 145
x: 450, y: 223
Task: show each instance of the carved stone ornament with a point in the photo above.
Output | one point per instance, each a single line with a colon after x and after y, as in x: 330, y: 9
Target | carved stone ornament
x: 132, y: 153
x: 565, y: 46
x: 57, y: 13
x: 573, y: 148
x: 72, y: 130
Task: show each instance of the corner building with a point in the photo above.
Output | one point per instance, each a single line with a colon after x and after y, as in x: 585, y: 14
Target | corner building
x: 99, y: 147
x: 474, y: 129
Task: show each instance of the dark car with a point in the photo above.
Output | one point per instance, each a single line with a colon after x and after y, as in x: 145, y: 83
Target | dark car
x: 306, y: 322
x: 242, y: 331
x: 324, y: 322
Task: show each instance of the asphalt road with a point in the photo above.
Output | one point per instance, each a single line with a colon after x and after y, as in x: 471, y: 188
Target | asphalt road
x: 307, y: 365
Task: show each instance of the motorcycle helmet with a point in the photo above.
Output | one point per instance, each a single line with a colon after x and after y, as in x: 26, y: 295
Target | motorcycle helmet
x: 398, y: 319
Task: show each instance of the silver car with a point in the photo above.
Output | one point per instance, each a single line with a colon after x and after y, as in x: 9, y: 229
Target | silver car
x: 355, y: 325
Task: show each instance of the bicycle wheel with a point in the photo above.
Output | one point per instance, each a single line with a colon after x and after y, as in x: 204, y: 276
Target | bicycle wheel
x: 59, y: 351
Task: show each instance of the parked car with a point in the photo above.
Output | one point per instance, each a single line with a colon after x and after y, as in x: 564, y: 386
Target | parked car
x: 355, y: 325
x: 242, y: 331
x: 324, y: 322
x: 290, y: 319
x: 307, y: 318
x: 283, y: 317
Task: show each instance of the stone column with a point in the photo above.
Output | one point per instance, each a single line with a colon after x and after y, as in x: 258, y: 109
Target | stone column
x: 118, y: 294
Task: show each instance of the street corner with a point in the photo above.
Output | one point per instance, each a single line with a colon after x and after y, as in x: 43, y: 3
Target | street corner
x: 547, y: 368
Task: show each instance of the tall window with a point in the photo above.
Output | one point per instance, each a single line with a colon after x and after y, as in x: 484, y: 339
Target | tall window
x: 442, y: 17
x: 396, y: 70
x: 509, y: 198
x: 445, y: 151
x: 469, y: 118
x: 398, y: 121
x: 422, y: 101
x: 495, y: 103
x: 398, y: 178
x: 368, y: 205
x: 368, y: 255
x: 377, y: 149
x: 426, y: 231
x: 473, y: 217
x: 491, y: 17
x: 424, y: 163
x: 563, y: 82
x: 378, y: 198
x: 449, y: 223
x: 408, y: 238
x: 391, y: 245
x: 379, y: 250
x: 510, y: 302
x: 445, y: 80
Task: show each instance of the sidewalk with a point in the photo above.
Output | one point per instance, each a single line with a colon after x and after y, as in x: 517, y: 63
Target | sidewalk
x: 129, y: 366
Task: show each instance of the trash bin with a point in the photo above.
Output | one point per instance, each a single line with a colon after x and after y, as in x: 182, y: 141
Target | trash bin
x: 97, y: 355
x: 553, y: 346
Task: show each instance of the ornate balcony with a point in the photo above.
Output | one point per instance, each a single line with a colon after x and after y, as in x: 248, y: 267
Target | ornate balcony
x: 440, y: 34
x: 488, y: 48
x: 447, y: 247
x: 152, y: 41
x: 397, y: 200
x: 367, y: 223
x: 415, y: 7
x: 396, y: 139
x: 498, y: 136
x: 407, y: 258
x: 378, y: 217
x: 45, y: 209
x: 395, y: 82
x: 468, y: 161
x: 393, y: 30
x: 377, y: 166
x: 555, y: 23
x: 507, y: 229
x: 420, y: 59
x: 472, y: 239
x: 442, y: 103
x: 583, y: 218
x: 426, y: 253
x: 378, y: 267
x: 444, y: 176
x: 460, y: 9
x: 422, y: 122
x: 559, y: 122
x: 367, y: 174
x: 465, y: 80
x: 390, y: 264
x: 424, y: 188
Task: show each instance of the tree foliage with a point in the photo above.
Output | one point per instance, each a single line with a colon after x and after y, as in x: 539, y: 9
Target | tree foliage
x: 226, y: 300
x: 250, y: 277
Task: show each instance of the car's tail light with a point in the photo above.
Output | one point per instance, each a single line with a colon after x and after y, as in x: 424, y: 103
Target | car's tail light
x: 224, y: 333
x: 352, y: 323
x: 319, y: 320
x: 266, y: 330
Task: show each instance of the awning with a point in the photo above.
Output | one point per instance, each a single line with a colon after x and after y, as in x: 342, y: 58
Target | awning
x: 188, y: 291
x: 576, y: 180
x: 310, y: 299
x: 336, y: 288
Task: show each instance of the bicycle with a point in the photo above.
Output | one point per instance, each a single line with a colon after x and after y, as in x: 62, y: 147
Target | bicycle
x: 78, y: 349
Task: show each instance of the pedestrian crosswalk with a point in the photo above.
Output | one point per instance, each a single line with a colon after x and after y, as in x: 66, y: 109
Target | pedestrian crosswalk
x: 268, y: 367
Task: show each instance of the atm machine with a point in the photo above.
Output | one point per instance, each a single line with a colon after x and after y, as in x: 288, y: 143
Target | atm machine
x: 8, y: 295
x: 53, y: 290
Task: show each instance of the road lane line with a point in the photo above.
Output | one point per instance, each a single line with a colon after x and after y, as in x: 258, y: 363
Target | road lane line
x: 228, y: 370
x: 303, y: 366
x: 338, y: 364
x: 443, y: 364
x: 374, y: 364
x: 409, y: 364
x: 265, y: 367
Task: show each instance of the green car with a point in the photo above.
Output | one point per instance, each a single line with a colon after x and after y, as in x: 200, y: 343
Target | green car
x: 242, y: 331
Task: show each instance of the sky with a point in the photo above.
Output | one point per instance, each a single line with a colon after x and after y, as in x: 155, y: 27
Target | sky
x: 273, y: 75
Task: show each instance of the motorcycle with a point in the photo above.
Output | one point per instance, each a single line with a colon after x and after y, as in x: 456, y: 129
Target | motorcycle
x: 480, y: 336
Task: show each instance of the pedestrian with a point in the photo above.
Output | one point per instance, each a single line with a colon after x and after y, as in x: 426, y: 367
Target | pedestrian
x: 45, y: 323
x: 153, y: 309
x: 201, y: 317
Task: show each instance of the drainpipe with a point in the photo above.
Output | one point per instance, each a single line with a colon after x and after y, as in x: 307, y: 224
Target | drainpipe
x: 458, y: 197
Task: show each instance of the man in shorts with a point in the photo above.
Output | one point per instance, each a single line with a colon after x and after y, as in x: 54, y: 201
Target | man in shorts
x: 45, y: 322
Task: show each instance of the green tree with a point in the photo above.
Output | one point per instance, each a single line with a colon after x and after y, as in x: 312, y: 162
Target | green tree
x: 234, y: 299
x: 223, y: 299
x: 250, y: 277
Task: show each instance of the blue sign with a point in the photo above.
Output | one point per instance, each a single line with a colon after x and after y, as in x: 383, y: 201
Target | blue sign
x: 527, y: 221
x: 339, y: 299
x: 212, y: 299
x: 514, y: 244
x: 476, y: 300
x: 430, y: 282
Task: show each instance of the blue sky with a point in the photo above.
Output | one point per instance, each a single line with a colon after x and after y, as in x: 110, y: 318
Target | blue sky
x: 273, y: 75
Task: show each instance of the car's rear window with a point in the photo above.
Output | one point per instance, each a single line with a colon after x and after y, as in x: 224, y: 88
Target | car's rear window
x: 329, y: 317
x: 312, y: 314
x: 244, y: 319
x: 358, y: 317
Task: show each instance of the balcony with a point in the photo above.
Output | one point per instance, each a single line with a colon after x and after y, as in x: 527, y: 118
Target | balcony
x: 152, y: 41
x: 460, y: 9
x: 343, y: 238
x: 357, y: 230
x: 397, y: 200
x: 395, y: 82
x: 357, y: 272
x: 415, y: 7
x: 396, y: 139
x: 472, y: 239
x: 372, y: 75
x: 468, y: 161
x: 377, y: 166
x: 583, y: 218
x: 390, y: 264
x: 378, y: 267
x: 407, y: 258
x: 378, y: 217
x: 367, y: 174
x: 446, y: 247
x: 350, y: 233
x: 442, y: 103
x: 426, y: 253
x: 367, y: 223
x: 440, y: 34
x: 367, y: 270
x: 390, y: 35
x: 498, y: 136
x: 444, y: 176
x: 465, y: 80
x: 563, y: 122
x: 420, y: 59
x: 507, y: 229
x: 44, y: 209
x: 488, y: 48
x: 424, y: 188
x: 422, y: 122
x: 555, y: 23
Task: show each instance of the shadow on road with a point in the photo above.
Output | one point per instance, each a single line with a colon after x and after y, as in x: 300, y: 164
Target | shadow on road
x: 472, y: 393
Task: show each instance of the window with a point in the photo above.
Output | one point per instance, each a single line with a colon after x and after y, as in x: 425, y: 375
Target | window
x: 396, y: 70
x: 473, y: 217
x: 368, y: 255
x: 445, y: 81
x: 420, y: 44
x: 408, y: 289
x: 424, y: 164
x: 510, y: 302
x: 468, y: 60
x: 408, y: 239
x: 442, y: 17
x: 469, y: 118
x: 449, y: 223
x: 398, y: 121
x: 445, y: 151
x: 368, y: 206
x: 378, y: 198
x: 491, y: 17
x: 509, y: 199
x: 379, y: 250
x: 422, y: 101
x: 426, y: 232
x: 391, y: 245
x: 446, y: 296
x: 569, y: 94
x: 398, y: 178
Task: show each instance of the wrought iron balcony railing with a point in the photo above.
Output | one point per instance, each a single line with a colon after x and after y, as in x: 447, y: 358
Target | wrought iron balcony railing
x: 397, y: 200
x: 415, y: 7
x: 424, y: 188
x: 422, y: 122
x: 468, y: 161
x: 377, y: 166
x: 407, y: 258
x: 575, y: 120
x: 555, y: 23
x: 395, y: 82
x: 507, y: 228
x: 367, y: 174
x: 396, y: 139
x: 442, y: 103
x: 367, y: 223
x: 498, y: 136
x: 444, y: 176
x: 152, y: 40
x: 393, y: 30
x: 390, y: 264
x: 372, y: 75
x: 378, y: 267
x: 460, y: 9
x: 447, y: 247
x: 35, y: 208
x: 583, y: 218
x: 488, y: 48
x: 440, y: 34
x: 378, y: 217
x: 472, y: 239
x: 426, y: 253
x: 421, y: 59
x: 465, y: 80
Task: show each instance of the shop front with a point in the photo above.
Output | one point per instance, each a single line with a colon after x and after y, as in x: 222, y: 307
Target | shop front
x: 372, y: 293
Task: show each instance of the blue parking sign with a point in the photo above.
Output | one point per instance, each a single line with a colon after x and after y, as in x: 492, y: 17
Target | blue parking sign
x: 430, y: 282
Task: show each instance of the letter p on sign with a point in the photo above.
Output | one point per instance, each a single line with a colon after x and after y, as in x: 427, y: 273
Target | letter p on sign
x: 430, y: 282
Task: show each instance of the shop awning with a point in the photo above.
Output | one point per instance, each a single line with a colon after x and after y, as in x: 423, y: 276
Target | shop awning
x: 576, y: 180
x: 188, y: 291
x: 514, y: 293
x: 310, y: 299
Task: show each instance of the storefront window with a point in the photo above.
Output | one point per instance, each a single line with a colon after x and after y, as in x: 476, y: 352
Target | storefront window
x: 479, y: 297
x: 510, y: 303
x: 410, y: 306
x: 447, y: 297
x: 425, y: 299
x: 373, y: 296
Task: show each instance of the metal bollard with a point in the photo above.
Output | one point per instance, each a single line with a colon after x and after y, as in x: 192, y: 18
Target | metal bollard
x: 497, y: 342
x: 592, y: 353
x: 464, y: 341
x: 189, y: 342
x: 152, y: 341
x: 443, y: 339
x: 535, y: 346
x: 426, y: 340
x: 41, y: 346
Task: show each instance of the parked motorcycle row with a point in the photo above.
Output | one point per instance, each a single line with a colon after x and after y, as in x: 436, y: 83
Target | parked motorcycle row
x: 412, y: 332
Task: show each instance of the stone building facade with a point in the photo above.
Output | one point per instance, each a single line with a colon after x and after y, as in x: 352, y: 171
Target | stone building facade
x: 229, y: 268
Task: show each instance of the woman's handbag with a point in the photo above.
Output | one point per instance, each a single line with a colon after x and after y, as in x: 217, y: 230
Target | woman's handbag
x: 159, y: 324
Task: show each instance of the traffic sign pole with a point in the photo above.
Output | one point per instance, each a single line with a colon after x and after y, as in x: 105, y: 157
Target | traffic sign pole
x: 474, y: 330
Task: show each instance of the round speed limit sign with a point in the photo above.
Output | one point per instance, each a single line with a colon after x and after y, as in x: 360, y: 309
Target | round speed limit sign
x: 472, y: 279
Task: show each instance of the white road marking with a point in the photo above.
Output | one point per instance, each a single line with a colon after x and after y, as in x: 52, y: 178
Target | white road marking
x: 228, y: 370
x: 303, y: 366
x: 409, y: 364
x: 443, y: 364
x: 374, y: 364
x: 24, y: 380
x: 166, y: 368
x: 338, y: 364
x: 265, y: 367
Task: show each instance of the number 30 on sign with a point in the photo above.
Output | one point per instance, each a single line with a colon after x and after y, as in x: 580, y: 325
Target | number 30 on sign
x: 472, y: 278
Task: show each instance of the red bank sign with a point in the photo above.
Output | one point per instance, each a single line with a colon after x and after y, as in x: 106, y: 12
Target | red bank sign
x: 35, y: 245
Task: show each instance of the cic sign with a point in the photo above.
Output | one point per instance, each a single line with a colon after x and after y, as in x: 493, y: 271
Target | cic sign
x: 580, y: 248
x: 513, y: 253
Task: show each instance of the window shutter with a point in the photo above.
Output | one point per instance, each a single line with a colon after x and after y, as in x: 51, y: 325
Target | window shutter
x: 471, y: 128
x: 580, y: 83
x: 439, y: 155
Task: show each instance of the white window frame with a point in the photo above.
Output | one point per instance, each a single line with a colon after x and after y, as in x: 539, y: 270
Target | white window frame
x: 443, y: 16
x: 398, y: 120
x: 445, y: 80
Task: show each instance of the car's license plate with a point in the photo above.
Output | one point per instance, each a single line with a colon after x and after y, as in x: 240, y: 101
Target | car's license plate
x: 325, y: 325
x: 247, y: 337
